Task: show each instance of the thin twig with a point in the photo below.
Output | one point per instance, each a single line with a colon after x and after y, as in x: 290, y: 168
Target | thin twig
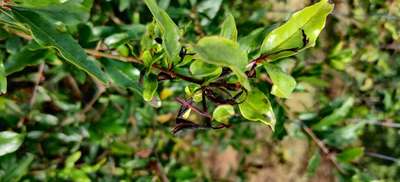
x: 197, y: 24
x: 98, y: 54
x: 194, y: 108
x: 158, y: 169
x: 74, y: 87
x: 385, y: 124
x: 382, y: 156
x: 323, y: 148
x: 137, y: 61
x: 100, y: 90
x: 37, y: 82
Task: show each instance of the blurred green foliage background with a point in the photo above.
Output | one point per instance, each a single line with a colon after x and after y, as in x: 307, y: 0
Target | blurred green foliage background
x: 348, y: 93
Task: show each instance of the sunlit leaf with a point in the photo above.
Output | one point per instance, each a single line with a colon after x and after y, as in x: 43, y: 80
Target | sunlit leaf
x: 223, y: 112
x: 3, y: 79
x: 284, y: 84
x: 150, y: 85
x: 201, y: 69
x: 72, y: 159
x: 10, y: 142
x: 170, y: 32
x: 298, y: 33
x: 257, y: 107
x: 350, y: 154
x: 228, y: 29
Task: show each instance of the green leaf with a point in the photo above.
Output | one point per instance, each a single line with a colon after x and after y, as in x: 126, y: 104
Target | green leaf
x: 29, y: 55
x: 210, y: 9
x: 70, y: 12
x: 284, y: 84
x: 313, y: 164
x: 72, y: 159
x: 10, y: 142
x: 223, y: 112
x: 336, y: 117
x: 224, y: 52
x: 228, y: 29
x: 135, y: 33
x: 253, y: 41
x: 13, y: 168
x: 150, y: 85
x: 344, y: 136
x: 288, y: 39
x: 123, y: 74
x: 350, y: 154
x: 170, y: 32
x: 3, y: 78
x: 47, y: 35
x: 257, y: 107
x: 201, y: 69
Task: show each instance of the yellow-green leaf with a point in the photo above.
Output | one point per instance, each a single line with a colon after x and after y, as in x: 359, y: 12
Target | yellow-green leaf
x: 257, y: 107
x: 299, y: 32
x: 228, y: 29
x: 170, y: 32
x: 201, y: 69
x: 223, y: 112
x: 284, y: 84
x: 3, y: 79
x: 150, y: 85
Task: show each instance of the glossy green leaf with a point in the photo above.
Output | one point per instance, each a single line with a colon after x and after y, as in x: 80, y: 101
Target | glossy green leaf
x: 224, y: 52
x: 223, y: 112
x: 201, y: 69
x: 170, y: 32
x: 350, y: 154
x: 10, y: 142
x: 47, y: 35
x: 3, y: 79
x: 288, y: 39
x: 336, y: 117
x: 257, y: 107
x: 284, y: 84
x: 228, y: 29
x: 29, y: 55
x: 150, y: 85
